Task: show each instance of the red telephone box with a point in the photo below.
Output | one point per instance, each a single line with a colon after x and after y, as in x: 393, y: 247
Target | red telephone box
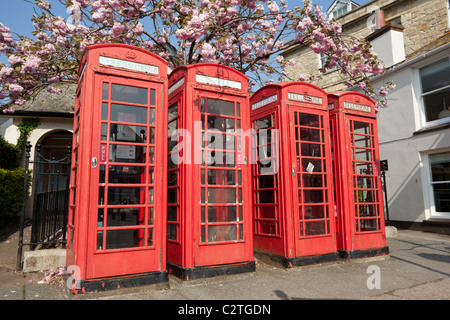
x: 359, y: 207
x: 294, y: 219
x: 116, y: 227
x: 208, y: 185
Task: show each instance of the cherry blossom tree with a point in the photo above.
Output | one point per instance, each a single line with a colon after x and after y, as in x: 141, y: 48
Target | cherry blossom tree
x: 248, y: 35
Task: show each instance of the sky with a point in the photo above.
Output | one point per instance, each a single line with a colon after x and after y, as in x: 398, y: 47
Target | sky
x: 16, y: 14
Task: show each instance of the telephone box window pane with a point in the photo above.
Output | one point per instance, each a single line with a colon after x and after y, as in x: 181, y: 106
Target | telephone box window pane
x: 314, y: 212
x: 222, y: 233
x: 128, y: 154
x: 101, y: 178
x: 125, y: 195
x: 124, y: 113
x: 126, y: 174
x: 267, y: 212
x: 100, y: 217
x: 104, y: 131
x: 266, y: 196
x: 221, y: 214
x: 315, y: 228
x: 361, y: 127
x: 172, y: 213
x: 312, y: 181
x: 100, y: 240
x: 219, y: 123
x: 172, y: 232
x: 129, y: 94
x: 152, y: 97
x: 128, y: 238
x: 311, y: 150
x: 150, y: 216
x: 150, y: 237
x: 266, y: 181
x: 268, y: 227
x: 104, y: 111
x: 152, y: 116
x: 309, y: 120
x: 368, y: 225
x: 172, y: 178
x: 222, y: 107
x: 221, y: 195
x: 173, y: 111
x: 120, y: 132
x: 364, y: 168
x: 313, y: 196
x: 307, y: 134
x: 105, y: 92
x: 221, y: 177
x: 118, y: 217
x: 172, y: 196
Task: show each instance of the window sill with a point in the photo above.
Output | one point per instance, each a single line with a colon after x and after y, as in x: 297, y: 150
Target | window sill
x: 432, y: 129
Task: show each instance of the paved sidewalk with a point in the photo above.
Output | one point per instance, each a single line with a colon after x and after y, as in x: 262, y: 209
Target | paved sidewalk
x: 418, y: 268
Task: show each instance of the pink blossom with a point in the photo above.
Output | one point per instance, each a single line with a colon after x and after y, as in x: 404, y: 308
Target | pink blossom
x: 6, y: 72
x: 15, y: 88
x: 31, y: 63
x: 208, y: 51
x: 273, y: 8
x: 13, y: 59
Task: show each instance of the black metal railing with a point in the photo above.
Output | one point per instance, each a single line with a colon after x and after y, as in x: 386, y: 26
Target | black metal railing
x: 50, y: 208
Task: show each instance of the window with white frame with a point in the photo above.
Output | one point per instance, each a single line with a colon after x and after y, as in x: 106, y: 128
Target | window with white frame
x: 440, y: 182
x: 435, y: 81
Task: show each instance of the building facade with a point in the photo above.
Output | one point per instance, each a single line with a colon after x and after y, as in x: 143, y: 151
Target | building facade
x: 413, y: 41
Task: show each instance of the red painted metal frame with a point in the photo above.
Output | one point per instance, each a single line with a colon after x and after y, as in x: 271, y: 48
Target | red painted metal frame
x: 85, y: 221
x: 290, y: 243
x: 359, y: 201
x: 189, y: 248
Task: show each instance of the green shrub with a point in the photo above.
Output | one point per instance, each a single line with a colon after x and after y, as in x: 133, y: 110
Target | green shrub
x: 11, y: 191
x: 9, y: 155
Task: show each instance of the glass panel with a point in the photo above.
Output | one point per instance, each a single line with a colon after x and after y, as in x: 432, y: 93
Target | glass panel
x: 435, y: 75
x: 440, y: 167
x: 219, y: 123
x: 222, y: 233
x: 101, y: 178
x: 367, y: 210
x: 368, y: 225
x: 105, y: 111
x: 172, y: 195
x: 263, y: 123
x: 152, y: 116
x: 100, y: 217
x: 363, y: 154
x: 124, y: 113
x: 313, y: 196
x: 311, y: 150
x: 314, y: 165
x: 366, y: 196
x: 104, y: 132
x: 150, y: 216
x: 119, y: 132
x: 315, y: 228
x: 126, y: 174
x: 129, y: 238
x: 441, y: 193
x: 221, y: 214
x: 314, y: 212
x: 125, y: 217
x: 152, y: 97
x: 266, y: 181
x: 267, y: 212
x: 268, y: 227
x: 172, y: 231
x: 361, y: 127
x: 125, y: 195
x: 312, y: 180
x: 173, y: 111
x: 100, y: 240
x: 105, y: 91
x: 267, y: 196
x: 362, y: 141
x: 129, y: 94
x: 129, y: 154
x: 221, y: 195
x: 310, y: 120
x: 364, y: 168
x: 172, y: 213
x: 150, y: 237
x: 437, y: 105
x: 307, y: 134
x: 219, y: 141
x: 220, y: 107
x: 172, y: 178
x: 221, y: 177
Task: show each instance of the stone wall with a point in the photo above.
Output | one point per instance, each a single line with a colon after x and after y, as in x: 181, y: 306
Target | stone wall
x: 423, y: 20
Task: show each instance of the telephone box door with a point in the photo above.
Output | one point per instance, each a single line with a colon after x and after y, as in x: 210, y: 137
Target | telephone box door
x: 125, y: 178
x: 223, y: 237
x: 311, y: 177
x: 365, y: 183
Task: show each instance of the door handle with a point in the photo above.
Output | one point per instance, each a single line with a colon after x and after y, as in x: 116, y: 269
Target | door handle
x: 293, y: 172
x: 94, y: 162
